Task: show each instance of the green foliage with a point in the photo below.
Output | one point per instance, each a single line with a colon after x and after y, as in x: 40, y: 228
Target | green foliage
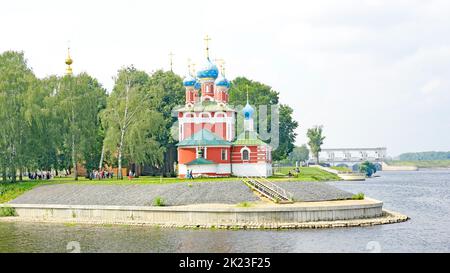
x: 263, y: 95
x: 80, y: 99
x: 315, y: 140
x: 368, y: 168
x: 358, y: 196
x: 7, y: 211
x: 422, y: 163
x: 16, y: 83
x: 46, y: 124
x: 67, y: 121
x: 299, y: 154
x: 169, y: 93
x: 287, y: 133
x: 259, y: 93
x: 425, y: 156
x: 132, y: 122
x: 158, y: 201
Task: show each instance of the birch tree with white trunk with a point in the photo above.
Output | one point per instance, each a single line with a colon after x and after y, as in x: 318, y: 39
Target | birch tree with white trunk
x: 131, y: 123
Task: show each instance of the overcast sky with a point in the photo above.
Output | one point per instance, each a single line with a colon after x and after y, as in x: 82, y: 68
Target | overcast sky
x: 373, y: 73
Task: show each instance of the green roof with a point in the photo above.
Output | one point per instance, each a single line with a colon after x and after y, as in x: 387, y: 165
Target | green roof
x: 248, y: 138
x: 204, y: 138
x: 200, y: 161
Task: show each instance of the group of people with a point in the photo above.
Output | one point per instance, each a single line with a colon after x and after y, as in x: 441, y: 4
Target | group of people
x: 40, y: 175
x: 296, y: 170
x: 100, y: 174
x: 189, y: 174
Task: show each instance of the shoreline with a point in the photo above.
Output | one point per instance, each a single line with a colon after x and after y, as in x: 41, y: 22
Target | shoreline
x: 388, y: 217
x: 258, y: 215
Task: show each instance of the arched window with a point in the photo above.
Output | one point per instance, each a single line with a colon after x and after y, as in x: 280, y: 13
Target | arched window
x: 205, y: 115
x: 245, y: 154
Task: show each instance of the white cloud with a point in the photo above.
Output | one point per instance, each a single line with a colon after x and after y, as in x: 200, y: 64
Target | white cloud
x: 431, y: 86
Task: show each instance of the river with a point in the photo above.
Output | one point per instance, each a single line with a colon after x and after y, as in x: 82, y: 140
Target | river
x: 423, y: 195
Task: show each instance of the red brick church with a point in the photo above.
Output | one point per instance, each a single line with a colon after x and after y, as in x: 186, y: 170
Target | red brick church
x: 207, y: 128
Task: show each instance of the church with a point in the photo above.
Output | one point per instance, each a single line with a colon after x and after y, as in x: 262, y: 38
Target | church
x: 208, y: 145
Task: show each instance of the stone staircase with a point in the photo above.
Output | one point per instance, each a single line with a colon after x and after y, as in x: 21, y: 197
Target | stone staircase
x: 268, y: 189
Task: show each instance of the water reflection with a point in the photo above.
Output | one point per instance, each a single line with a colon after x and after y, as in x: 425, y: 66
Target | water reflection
x: 424, y: 196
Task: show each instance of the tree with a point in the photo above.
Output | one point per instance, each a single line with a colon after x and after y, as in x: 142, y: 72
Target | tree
x: 263, y: 95
x: 45, y: 142
x: 368, y: 168
x: 80, y: 99
x: 132, y: 125
x: 425, y: 156
x: 287, y: 133
x: 315, y: 141
x: 299, y: 154
x: 16, y: 79
x: 169, y: 93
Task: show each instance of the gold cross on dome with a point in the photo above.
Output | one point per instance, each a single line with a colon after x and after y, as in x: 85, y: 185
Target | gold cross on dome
x: 207, y: 39
x: 171, y: 60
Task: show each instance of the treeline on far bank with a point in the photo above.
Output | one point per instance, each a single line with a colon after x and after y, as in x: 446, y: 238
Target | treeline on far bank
x: 424, y: 156
x: 63, y: 122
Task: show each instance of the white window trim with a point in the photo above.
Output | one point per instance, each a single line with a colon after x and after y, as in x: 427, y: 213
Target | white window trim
x: 200, y: 115
x: 226, y: 154
x: 242, y: 153
x: 191, y: 115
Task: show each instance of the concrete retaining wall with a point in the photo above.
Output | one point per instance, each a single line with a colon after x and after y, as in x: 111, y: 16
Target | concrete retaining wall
x: 216, y: 215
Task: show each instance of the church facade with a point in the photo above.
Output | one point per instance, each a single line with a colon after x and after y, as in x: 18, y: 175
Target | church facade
x: 208, y: 145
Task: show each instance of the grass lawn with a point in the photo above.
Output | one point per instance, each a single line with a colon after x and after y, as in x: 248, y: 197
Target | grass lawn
x: 306, y: 174
x: 341, y: 169
x: 9, y: 191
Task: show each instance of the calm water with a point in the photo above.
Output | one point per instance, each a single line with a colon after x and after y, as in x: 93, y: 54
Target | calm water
x: 424, y: 196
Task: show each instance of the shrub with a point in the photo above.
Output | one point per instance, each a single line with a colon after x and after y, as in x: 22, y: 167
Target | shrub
x: 158, y: 201
x: 7, y: 211
x: 368, y: 168
x: 358, y: 196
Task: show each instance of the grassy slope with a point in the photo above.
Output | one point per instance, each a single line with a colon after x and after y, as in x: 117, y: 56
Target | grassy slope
x: 341, y: 169
x: 10, y: 191
x: 306, y: 174
x: 422, y: 163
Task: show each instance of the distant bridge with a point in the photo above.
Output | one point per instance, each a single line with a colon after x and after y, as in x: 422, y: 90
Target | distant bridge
x: 352, y: 157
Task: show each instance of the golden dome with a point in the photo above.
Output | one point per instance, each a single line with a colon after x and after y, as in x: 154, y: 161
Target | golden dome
x: 68, y: 62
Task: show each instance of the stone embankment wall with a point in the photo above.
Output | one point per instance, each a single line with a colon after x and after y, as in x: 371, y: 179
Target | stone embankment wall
x: 205, y: 216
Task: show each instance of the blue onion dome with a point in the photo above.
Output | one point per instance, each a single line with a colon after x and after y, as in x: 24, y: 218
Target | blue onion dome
x: 222, y: 81
x: 197, y: 85
x: 189, y: 81
x: 208, y: 70
x: 248, y: 111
